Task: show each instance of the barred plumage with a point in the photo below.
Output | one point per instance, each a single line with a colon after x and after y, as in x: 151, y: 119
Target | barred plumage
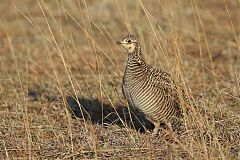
x: 149, y: 89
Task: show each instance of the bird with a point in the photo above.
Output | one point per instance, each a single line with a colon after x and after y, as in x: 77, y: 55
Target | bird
x: 147, y: 88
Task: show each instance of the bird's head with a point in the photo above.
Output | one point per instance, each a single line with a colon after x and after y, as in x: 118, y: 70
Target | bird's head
x: 129, y: 43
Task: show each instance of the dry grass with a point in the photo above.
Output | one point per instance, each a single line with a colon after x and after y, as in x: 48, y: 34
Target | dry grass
x: 53, y: 49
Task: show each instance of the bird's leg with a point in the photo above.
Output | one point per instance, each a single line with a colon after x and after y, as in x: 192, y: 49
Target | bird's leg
x: 157, y: 127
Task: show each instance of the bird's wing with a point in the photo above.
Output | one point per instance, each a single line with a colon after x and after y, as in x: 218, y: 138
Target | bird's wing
x: 164, y: 81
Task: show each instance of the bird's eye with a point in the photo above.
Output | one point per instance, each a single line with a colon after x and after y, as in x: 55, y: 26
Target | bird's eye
x: 129, y: 41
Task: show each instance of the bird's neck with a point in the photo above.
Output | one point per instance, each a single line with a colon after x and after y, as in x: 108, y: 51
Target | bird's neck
x: 136, y: 54
x: 136, y: 58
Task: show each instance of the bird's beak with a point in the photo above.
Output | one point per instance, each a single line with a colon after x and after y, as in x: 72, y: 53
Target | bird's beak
x: 118, y: 42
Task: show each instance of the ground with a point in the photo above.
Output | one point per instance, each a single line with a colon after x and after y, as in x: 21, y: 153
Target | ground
x: 59, y: 54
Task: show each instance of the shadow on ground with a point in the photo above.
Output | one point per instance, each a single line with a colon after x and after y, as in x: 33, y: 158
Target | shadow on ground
x: 98, y: 112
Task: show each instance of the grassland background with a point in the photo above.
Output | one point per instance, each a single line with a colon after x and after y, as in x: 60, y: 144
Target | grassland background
x: 53, y: 49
